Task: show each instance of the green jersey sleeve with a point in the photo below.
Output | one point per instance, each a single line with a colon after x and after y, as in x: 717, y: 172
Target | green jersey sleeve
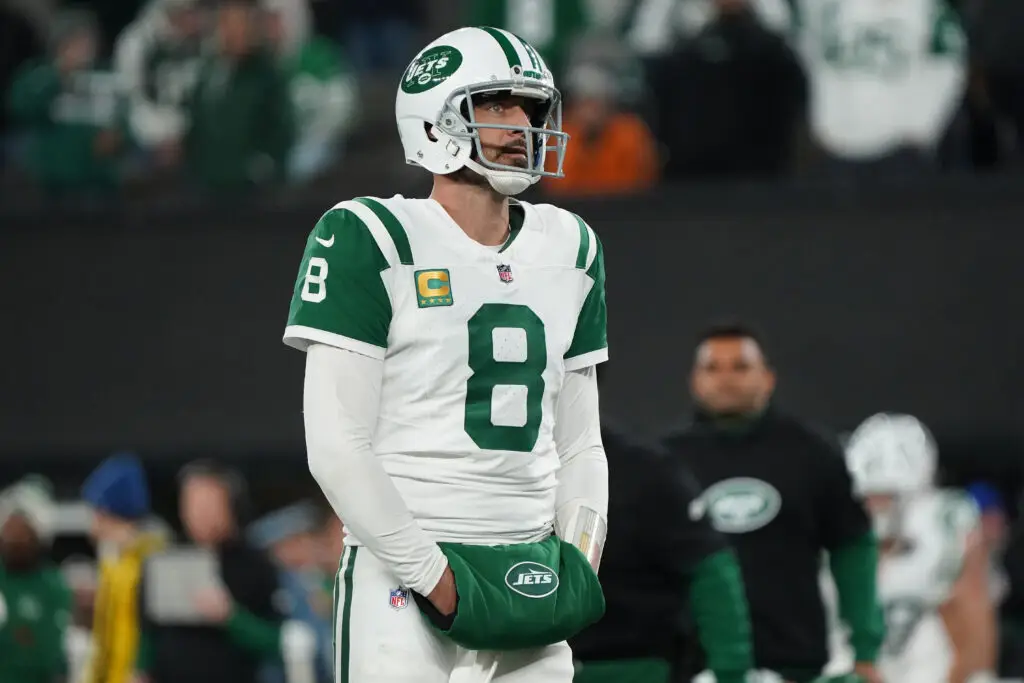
x: 590, y: 341
x: 340, y: 297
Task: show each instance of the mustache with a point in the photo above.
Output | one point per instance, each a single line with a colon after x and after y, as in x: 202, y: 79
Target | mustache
x: 512, y: 148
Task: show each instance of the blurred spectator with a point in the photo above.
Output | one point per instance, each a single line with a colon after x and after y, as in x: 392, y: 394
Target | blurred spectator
x: 888, y: 79
x: 674, y: 582
x: 119, y: 495
x: 157, y: 58
x: 381, y: 35
x: 20, y: 42
x: 72, y: 111
x: 611, y: 151
x: 35, y: 603
x: 547, y: 25
x: 290, y: 535
x: 244, y: 621
x: 240, y: 116
x: 731, y: 100
x: 323, y: 89
x: 330, y: 546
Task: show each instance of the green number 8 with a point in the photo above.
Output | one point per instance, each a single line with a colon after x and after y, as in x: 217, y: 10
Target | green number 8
x: 488, y: 373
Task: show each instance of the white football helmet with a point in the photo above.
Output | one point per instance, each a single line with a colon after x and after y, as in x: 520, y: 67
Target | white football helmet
x: 435, y: 113
x: 892, y: 454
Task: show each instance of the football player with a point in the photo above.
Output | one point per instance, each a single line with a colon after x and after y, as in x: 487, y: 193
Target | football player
x: 450, y: 400
x: 933, y: 580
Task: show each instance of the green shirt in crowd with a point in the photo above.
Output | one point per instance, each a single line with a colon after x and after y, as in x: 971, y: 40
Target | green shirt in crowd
x: 35, y: 608
x: 242, y: 124
x: 67, y: 118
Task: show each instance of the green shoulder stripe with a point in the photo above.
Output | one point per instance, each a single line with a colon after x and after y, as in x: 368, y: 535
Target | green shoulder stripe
x: 506, y: 46
x: 581, y: 255
x: 393, y: 226
x: 339, y: 293
x: 591, y: 327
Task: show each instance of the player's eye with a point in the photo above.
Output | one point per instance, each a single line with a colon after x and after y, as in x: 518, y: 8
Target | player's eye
x: 496, y: 107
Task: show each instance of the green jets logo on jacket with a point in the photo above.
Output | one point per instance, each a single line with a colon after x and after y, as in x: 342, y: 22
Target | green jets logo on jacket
x: 531, y: 579
x: 741, y: 504
x: 431, y: 68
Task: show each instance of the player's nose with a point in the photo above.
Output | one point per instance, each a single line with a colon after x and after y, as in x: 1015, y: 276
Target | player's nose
x: 519, y: 117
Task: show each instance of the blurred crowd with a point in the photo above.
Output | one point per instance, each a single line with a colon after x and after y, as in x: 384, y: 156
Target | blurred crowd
x: 226, y: 96
x: 99, y: 588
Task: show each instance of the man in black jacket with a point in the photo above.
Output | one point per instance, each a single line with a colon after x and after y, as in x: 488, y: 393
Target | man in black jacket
x: 782, y: 494
x: 243, y: 621
x: 664, y: 557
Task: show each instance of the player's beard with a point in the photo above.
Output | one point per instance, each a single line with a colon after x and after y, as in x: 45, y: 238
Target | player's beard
x: 470, y: 177
x: 514, y: 151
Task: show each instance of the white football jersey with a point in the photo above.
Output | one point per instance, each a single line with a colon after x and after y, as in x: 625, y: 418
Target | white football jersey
x: 883, y: 73
x: 475, y: 342
x: 915, y: 581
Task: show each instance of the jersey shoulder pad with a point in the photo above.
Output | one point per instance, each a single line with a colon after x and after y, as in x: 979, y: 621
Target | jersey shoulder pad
x: 340, y: 295
x: 383, y: 219
x: 573, y: 241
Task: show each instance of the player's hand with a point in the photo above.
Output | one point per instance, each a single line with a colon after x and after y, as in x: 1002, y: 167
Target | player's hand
x: 214, y: 604
x: 444, y: 596
x: 868, y: 672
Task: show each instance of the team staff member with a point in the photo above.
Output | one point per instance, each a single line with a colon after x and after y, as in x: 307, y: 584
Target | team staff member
x: 243, y: 622
x: 673, y: 558
x: 782, y: 494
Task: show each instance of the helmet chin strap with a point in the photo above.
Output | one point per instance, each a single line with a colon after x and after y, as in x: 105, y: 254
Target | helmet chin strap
x: 508, y: 183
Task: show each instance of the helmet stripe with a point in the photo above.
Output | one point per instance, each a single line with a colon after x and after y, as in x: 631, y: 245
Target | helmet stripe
x: 506, y: 46
x: 530, y: 52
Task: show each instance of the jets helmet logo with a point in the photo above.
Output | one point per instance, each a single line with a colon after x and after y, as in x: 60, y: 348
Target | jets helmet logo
x: 431, y: 69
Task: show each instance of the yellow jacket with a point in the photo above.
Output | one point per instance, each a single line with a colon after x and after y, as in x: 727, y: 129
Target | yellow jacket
x: 115, y: 631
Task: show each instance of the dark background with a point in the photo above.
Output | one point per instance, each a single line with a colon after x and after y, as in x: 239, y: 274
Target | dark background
x: 157, y: 328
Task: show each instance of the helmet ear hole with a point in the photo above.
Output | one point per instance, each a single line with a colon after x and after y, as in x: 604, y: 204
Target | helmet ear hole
x: 429, y: 130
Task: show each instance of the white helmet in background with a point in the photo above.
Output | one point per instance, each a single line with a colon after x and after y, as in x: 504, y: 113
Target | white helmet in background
x: 892, y: 454
x: 435, y: 113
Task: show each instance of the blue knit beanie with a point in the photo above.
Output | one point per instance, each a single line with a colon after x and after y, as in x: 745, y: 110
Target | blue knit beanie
x: 986, y: 496
x: 118, y: 487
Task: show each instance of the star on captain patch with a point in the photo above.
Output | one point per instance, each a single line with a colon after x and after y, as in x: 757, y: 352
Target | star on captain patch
x: 505, y: 273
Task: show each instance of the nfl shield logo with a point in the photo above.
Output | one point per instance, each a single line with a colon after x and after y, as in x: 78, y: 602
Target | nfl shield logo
x: 505, y: 273
x: 399, y: 598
